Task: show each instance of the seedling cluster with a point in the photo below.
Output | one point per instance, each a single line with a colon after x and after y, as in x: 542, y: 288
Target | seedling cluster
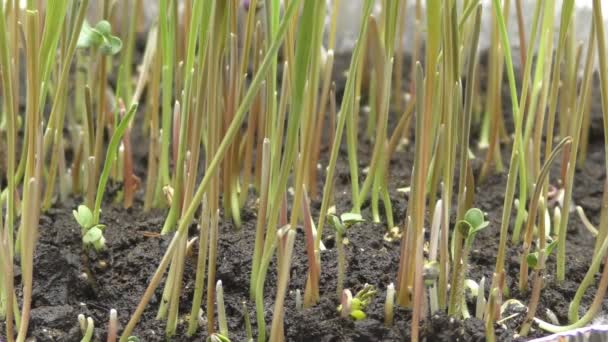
x: 237, y: 102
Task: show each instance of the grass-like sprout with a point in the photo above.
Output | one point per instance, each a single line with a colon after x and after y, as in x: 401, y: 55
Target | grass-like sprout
x: 595, y: 305
x: 212, y: 167
x: 113, y: 326
x: 535, y: 203
x: 221, y: 309
x: 311, y: 293
x: 87, y: 327
x: 389, y: 305
x: 347, y: 103
x: 600, y: 37
x: 6, y: 229
x: 286, y: 240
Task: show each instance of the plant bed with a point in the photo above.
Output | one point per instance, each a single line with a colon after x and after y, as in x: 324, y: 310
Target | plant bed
x: 60, y: 293
x: 120, y: 241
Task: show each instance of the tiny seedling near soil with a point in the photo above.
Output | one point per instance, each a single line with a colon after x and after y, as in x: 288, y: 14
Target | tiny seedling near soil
x: 87, y: 327
x: 389, y: 305
x: 92, y: 231
x: 92, y: 234
x: 473, y: 222
x: 354, y: 307
x: 217, y: 337
x: 99, y: 37
x: 340, y: 226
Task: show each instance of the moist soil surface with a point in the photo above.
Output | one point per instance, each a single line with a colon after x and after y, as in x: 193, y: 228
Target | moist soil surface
x: 121, y: 273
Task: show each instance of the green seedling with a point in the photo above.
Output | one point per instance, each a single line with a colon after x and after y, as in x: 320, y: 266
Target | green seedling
x: 218, y: 338
x: 340, y: 225
x: 99, y: 37
x: 92, y: 233
x: 354, y: 307
x: 87, y: 328
x: 345, y: 221
x: 472, y: 223
x: 532, y: 258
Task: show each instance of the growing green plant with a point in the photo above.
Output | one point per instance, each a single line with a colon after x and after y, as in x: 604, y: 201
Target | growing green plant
x: 92, y: 234
x: 286, y: 240
x: 99, y: 37
x: 340, y: 225
x: 88, y: 220
x: 87, y: 327
x: 354, y: 307
x: 473, y: 222
x: 217, y: 337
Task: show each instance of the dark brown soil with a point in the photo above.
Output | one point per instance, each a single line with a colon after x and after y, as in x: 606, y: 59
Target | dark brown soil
x: 122, y: 272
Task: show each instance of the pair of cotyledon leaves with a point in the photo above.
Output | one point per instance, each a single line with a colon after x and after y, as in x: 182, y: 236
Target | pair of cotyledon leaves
x: 474, y: 222
x: 92, y: 233
x: 100, y: 36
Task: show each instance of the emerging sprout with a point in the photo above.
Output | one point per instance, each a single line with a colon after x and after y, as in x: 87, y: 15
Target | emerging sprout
x: 82, y: 323
x: 355, y: 306
x: 218, y: 338
x: 99, y: 37
x: 221, y: 309
x: 532, y: 258
x: 473, y: 222
x: 340, y: 224
x: 348, y: 219
x: 87, y: 327
x: 113, y: 326
x: 389, y: 309
x: 92, y: 234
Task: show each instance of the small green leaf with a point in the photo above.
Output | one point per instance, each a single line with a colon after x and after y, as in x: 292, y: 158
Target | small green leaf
x: 476, y: 220
x: 218, y: 338
x: 365, y: 295
x: 356, y: 304
x: 532, y: 259
x: 112, y: 45
x: 474, y: 217
x: 133, y: 339
x: 88, y: 36
x: 464, y: 227
x: 83, y: 216
x: 336, y: 223
x: 92, y: 235
x: 104, y: 27
x: 551, y: 247
x: 351, y: 218
x: 358, y: 315
x: 100, y: 244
